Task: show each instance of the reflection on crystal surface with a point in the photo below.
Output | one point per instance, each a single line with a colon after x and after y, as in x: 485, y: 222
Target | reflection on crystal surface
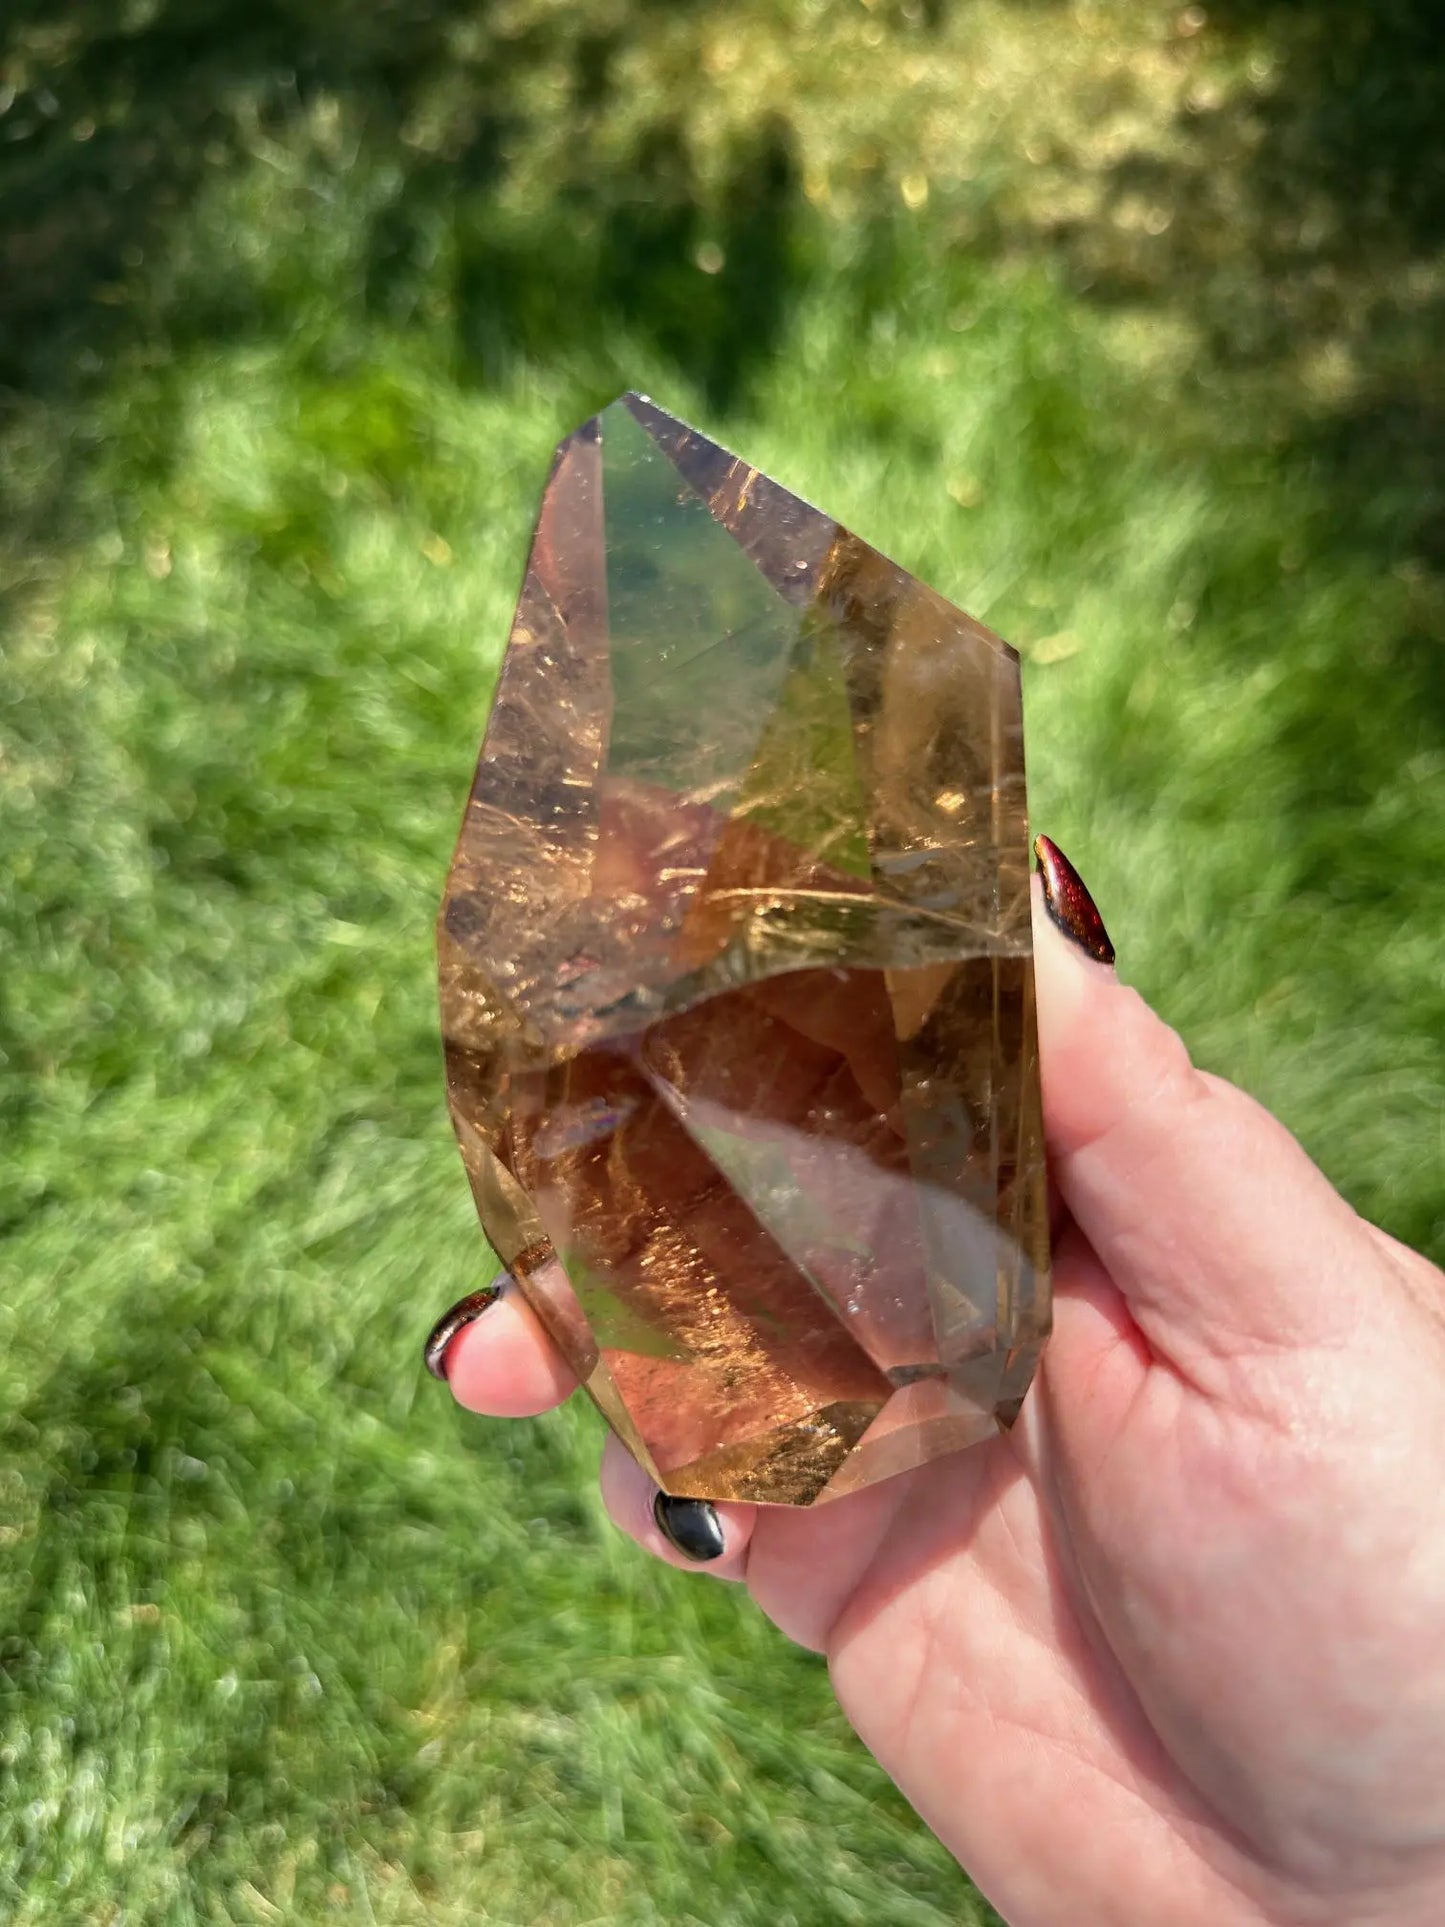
x: 736, y: 980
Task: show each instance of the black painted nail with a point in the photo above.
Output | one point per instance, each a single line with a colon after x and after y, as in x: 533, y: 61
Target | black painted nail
x: 1068, y: 902
x: 465, y: 1312
x: 690, y: 1526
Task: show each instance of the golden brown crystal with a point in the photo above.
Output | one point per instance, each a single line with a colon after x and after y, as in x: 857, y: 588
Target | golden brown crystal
x: 737, y: 986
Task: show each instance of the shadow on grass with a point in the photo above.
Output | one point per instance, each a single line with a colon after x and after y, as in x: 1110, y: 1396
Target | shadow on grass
x: 1301, y: 225
x: 114, y: 119
x: 1300, y: 215
x: 1295, y: 230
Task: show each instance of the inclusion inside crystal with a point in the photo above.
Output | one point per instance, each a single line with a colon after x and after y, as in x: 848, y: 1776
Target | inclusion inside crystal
x: 737, y: 983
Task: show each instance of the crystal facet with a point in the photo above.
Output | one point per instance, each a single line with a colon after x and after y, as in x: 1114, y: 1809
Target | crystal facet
x: 737, y: 980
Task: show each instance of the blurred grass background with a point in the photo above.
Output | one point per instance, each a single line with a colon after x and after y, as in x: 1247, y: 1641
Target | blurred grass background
x: 1120, y: 323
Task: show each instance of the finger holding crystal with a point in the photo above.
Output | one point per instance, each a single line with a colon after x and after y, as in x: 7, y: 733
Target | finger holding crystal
x: 502, y: 1362
x: 630, y: 1497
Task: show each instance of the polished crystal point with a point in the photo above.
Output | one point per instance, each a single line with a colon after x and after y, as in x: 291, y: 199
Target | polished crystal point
x: 737, y: 982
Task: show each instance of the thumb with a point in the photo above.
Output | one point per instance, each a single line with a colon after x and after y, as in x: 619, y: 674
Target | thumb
x: 1223, y: 1237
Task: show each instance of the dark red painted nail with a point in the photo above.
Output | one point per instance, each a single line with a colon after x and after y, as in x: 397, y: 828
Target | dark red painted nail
x: 1068, y: 902
x: 465, y: 1312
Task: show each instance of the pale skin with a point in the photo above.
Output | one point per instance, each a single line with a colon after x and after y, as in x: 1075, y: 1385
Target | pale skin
x: 1173, y: 1650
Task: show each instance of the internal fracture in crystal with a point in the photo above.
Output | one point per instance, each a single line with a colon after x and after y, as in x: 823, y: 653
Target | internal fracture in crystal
x: 737, y: 982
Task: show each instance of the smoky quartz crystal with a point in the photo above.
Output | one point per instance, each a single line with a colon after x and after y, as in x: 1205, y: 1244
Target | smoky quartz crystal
x: 737, y: 980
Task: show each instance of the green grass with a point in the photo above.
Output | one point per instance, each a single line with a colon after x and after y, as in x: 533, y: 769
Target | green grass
x: 1122, y: 332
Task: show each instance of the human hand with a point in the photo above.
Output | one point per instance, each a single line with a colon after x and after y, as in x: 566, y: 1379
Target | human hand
x: 1173, y: 1649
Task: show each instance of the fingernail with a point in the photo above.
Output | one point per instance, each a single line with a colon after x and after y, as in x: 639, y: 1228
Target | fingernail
x: 465, y: 1312
x: 1069, y: 904
x: 690, y: 1526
